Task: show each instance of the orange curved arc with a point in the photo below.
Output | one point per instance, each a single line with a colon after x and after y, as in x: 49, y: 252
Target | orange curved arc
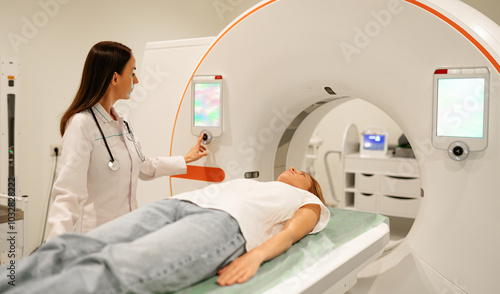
x: 414, y: 2
x: 459, y: 29
x: 199, y: 63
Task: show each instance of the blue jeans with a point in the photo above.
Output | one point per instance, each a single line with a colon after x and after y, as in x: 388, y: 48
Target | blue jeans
x: 162, y: 247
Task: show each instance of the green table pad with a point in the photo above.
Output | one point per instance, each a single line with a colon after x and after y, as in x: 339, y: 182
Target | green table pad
x: 344, y: 225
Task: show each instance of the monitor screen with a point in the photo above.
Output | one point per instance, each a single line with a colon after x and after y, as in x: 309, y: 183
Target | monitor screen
x: 460, y: 107
x: 374, y: 142
x: 207, y: 104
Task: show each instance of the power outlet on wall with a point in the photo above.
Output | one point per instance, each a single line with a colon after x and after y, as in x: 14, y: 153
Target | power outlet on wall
x: 53, y: 150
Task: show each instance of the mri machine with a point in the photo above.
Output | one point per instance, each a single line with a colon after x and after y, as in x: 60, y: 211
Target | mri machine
x: 285, y: 64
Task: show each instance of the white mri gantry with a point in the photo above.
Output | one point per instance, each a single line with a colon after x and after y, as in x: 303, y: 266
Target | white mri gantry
x: 278, y: 59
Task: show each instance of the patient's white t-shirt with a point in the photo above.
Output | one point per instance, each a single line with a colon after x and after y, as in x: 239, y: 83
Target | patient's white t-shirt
x: 260, y: 208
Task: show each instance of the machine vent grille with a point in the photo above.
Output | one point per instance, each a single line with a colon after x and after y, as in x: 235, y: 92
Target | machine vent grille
x: 339, y: 87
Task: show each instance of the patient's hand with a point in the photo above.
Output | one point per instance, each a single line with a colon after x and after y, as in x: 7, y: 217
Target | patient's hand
x: 245, y: 266
x: 240, y: 270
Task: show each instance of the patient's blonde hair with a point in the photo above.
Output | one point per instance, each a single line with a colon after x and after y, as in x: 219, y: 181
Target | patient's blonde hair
x: 316, y: 189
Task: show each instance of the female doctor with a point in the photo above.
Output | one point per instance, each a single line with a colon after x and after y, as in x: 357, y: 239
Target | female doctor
x: 101, y: 158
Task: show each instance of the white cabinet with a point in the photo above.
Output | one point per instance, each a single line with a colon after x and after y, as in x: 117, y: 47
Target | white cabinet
x: 388, y: 185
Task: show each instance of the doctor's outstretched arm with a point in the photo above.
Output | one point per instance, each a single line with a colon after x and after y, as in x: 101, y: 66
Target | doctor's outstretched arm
x: 244, y: 267
x: 173, y: 165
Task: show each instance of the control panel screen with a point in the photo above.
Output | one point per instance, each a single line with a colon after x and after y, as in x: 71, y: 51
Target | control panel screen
x: 207, y: 104
x: 460, y: 107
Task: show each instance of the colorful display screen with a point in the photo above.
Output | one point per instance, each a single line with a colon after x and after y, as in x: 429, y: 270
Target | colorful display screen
x: 207, y: 104
x: 374, y: 142
x: 460, y: 107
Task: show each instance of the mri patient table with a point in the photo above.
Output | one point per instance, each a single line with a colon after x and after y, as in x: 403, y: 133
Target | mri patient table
x: 327, y: 262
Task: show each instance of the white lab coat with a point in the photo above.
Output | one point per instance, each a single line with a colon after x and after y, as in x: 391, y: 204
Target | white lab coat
x: 87, y: 193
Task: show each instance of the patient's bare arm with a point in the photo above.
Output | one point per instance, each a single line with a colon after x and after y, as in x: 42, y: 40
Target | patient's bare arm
x: 245, y: 266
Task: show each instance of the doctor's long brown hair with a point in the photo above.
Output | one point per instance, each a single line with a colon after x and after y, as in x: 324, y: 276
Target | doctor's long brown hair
x: 104, y: 59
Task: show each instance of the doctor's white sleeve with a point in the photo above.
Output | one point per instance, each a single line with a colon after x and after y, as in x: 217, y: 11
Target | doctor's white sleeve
x: 70, y: 187
x: 162, y: 166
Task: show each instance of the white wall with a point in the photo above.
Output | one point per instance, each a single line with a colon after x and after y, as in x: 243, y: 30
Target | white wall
x: 490, y: 8
x: 52, y: 39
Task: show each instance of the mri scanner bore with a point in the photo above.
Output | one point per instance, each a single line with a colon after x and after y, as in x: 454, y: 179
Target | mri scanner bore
x: 391, y: 62
x: 383, y: 52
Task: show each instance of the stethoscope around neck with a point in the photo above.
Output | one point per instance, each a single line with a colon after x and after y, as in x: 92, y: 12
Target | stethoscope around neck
x: 113, y: 164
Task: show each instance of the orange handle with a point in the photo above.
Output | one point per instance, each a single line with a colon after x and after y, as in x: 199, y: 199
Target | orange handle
x: 203, y: 173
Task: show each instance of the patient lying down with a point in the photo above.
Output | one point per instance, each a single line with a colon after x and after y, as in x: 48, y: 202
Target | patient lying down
x: 228, y: 229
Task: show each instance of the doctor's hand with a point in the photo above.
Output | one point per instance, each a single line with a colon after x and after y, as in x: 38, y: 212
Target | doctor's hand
x: 240, y: 270
x: 198, y: 151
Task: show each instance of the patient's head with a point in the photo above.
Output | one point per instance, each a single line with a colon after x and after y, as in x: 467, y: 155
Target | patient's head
x: 302, y: 180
